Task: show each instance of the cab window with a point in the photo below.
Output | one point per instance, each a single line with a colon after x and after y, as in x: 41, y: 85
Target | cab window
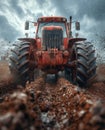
x: 41, y: 25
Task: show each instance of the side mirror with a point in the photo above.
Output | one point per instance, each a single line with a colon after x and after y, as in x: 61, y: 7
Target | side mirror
x: 77, y: 25
x: 27, y: 25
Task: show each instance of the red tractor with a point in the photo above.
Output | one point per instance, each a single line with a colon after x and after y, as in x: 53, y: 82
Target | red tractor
x: 52, y: 50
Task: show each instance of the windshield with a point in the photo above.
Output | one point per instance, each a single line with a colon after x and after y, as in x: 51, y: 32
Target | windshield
x: 39, y: 34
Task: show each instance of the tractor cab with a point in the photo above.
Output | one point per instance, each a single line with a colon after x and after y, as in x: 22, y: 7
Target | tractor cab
x: 51, y: 22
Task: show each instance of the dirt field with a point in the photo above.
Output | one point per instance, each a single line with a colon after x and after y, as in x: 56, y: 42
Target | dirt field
x: 51, y: 106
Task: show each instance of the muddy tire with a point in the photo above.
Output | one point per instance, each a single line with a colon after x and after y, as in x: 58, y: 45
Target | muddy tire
x: 85, y: 68
x: 19, y: 63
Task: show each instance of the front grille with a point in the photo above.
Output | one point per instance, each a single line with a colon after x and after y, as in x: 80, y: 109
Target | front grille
x: 52, y: 38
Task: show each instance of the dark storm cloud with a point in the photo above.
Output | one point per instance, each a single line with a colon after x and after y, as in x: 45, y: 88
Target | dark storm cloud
x: 92, y: 8
x: 65, y: 7
x: 33, y: 14
x: 15, y: 5
x: 7, y: 31
x: 86, y: 11
x: 41, y: 2
x: 3, y: 7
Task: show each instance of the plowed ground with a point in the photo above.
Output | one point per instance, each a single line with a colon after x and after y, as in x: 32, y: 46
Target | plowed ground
x: 51, y: 105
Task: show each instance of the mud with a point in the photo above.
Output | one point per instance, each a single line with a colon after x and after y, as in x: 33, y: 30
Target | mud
x: 6, y: 79
x: 97, y: 87
x: 52, y: 106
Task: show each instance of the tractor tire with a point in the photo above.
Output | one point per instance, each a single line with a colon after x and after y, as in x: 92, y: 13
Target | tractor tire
x: 85, y: 68
x: 19, y: 63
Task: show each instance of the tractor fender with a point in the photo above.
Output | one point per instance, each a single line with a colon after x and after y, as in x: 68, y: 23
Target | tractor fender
x: 31, y: 40
x: 73, y: 40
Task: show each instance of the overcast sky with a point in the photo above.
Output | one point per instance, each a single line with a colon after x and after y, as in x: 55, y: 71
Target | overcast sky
x: 13, y: 13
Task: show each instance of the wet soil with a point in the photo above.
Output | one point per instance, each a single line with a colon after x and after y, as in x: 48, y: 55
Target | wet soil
x: 51, y: 105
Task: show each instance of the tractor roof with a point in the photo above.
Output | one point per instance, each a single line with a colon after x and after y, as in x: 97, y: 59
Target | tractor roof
x: 52, y: 18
